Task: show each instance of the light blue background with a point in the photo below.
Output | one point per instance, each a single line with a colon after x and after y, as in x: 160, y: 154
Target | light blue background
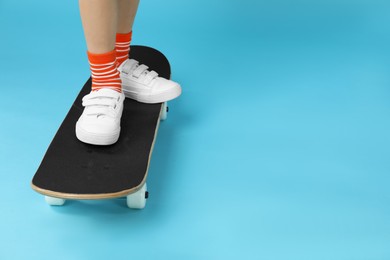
x: 277, y: 149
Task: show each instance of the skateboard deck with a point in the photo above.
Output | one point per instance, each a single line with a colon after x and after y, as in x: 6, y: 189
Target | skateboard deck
x: 72, y: 169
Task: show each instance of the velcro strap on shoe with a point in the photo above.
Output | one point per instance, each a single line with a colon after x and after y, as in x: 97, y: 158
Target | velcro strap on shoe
x: 151, y: 75
x: 99, y: 102
x: 99, y: 111
x: 139, y: 70
x: 128, y: 66
x: 101, y: 95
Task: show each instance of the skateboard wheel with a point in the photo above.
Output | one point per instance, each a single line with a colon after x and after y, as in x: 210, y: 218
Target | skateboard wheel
x: 54, y: 201
x: 137, y: 200
x: 164, y: 111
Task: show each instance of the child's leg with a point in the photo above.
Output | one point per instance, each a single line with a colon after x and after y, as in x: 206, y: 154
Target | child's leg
x: 100, y: 121
x: 137, y: 81
x: 99, y: 19
x: 127, y: 10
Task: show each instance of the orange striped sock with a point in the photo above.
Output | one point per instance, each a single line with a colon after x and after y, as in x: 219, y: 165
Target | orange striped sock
x: 122, y: 46
x: 104, y: 71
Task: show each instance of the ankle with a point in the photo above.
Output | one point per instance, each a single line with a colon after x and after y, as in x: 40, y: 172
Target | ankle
x: 122, y: 46
x: 104, y: 71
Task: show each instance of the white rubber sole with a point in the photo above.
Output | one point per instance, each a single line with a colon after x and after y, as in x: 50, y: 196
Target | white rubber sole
x: 96, y: 139
x: 151, y: 99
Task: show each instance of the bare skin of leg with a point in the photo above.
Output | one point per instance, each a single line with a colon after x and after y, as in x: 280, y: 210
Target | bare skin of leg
x: 127, y: 10
x: 100, y: 20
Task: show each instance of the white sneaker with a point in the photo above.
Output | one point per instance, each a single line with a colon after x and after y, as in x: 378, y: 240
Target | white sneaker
x: 100, y: 122
x: 146, y: 86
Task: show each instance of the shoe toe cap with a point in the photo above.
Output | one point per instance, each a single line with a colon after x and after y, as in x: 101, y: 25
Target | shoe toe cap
x: 100, y: 125
x: 165, y: 85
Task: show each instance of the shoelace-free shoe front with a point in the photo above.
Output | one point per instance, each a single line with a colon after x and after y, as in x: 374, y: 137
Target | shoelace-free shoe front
x: 140, y: 72
x: 101, y: 103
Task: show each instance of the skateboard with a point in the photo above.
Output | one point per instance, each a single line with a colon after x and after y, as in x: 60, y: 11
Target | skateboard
x: 75, y: 170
